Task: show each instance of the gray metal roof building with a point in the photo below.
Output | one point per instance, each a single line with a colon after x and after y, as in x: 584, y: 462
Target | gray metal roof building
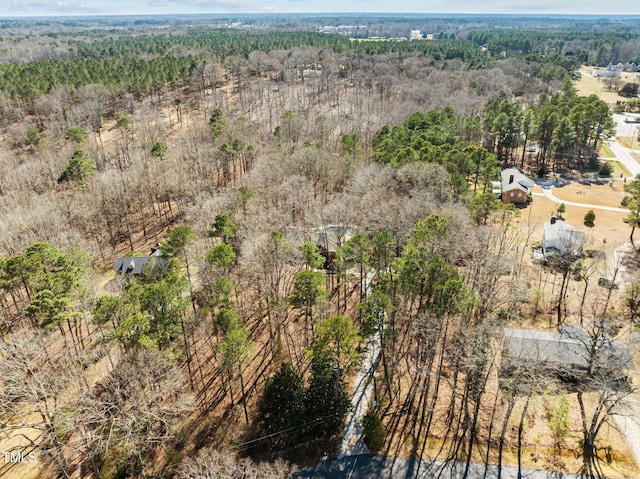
x: 568, y: 350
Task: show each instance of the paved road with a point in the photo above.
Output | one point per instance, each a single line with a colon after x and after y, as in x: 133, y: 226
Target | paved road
x: 368, y: 467
x: 623, y: 155
x: 552, y: 197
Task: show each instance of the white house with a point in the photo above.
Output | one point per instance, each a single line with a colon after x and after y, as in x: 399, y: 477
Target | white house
x: 606, y: 74
x: 561, y: 238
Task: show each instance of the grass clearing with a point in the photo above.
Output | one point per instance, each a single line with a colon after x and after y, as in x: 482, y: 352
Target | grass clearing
x: 627, y: 141
x: 605, y: 152
x: 588, y: 85
x: 619, y: 169
x: 609, y: 227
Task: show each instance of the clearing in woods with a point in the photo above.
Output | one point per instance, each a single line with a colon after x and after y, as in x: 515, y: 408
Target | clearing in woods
x: 588, y: 85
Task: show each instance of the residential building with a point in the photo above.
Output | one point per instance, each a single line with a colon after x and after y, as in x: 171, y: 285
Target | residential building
x: 560, y: 238
x: 572, y: 351
x: 133, y: 265
x: 516, y: 186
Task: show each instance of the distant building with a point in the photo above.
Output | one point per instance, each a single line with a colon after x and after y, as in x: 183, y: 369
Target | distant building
x: 618, y: 67
x: 415, y: 35
x: 606, y: 74
x: 516, y: 186
x: 560, y: 238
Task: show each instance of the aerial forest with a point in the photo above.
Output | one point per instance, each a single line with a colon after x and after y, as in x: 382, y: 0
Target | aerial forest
x: 205, y: 229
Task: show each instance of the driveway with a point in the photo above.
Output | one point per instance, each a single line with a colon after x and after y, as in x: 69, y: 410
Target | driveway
x: 352, y: 443
x: 547, y: 192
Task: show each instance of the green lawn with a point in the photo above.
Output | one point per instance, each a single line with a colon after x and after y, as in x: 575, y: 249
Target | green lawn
x: 605, y: 151
x: 619, y: 168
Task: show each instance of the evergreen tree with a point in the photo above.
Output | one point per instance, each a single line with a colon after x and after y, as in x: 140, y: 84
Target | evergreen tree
x: 80, y: 168
x: 77, y: 134
x: 326, y: 398
x: 217, y: 122
x: 281, y: 410
x: 159, y: 150
x: 632, y: 202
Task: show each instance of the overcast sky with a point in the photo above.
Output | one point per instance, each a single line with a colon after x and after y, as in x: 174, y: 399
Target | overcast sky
x: 12, y: 8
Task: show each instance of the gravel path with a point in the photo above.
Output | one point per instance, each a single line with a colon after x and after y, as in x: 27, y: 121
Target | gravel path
x: 352, y: 443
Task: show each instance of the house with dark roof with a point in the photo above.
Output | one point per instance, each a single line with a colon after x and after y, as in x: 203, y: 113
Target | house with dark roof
x: 516, y: 186
x: 133, y: 265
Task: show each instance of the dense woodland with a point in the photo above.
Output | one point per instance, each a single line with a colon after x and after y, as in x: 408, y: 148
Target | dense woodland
x: 236, y: 349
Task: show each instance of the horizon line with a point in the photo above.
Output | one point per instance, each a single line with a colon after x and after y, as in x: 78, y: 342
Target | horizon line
x: 481, y: 14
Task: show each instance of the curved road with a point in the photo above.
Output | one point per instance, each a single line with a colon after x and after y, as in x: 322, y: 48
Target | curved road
x: 547, y: 193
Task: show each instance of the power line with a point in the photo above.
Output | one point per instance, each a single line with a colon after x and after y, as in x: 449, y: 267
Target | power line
x: 315, y: 422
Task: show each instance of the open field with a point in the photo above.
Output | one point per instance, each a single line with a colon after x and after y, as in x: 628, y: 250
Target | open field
x: 601, y: 195
x: 588, y: 85
x: 609, y: 227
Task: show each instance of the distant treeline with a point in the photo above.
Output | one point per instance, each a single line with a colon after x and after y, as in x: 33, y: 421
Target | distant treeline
x: 583, y: 45
x: 144, y: 61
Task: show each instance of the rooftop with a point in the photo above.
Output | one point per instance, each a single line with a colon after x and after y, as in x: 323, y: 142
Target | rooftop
x: 569, y: 348
x: 561, y: 236
x: 134, y: 264
x: 328, y: 237
x: 514, y: 178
